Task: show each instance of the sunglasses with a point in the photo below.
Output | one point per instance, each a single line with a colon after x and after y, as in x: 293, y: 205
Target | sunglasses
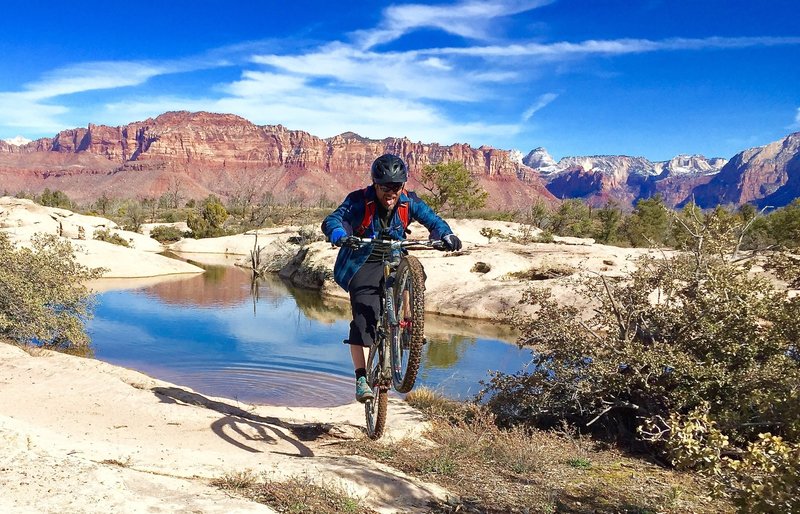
x: 391, y: 187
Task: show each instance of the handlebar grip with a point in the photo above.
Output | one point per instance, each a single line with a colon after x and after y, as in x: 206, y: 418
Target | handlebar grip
x: 348, y: 241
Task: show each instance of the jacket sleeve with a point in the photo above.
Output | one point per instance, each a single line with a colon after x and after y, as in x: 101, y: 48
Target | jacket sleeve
x: 425, y: 215
x: 343, y: 216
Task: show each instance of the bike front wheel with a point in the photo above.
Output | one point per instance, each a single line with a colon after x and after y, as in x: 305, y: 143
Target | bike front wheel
x: 407, y: 336
x: 375, y: 408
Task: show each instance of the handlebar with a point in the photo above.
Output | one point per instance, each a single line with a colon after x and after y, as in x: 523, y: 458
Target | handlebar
x: 393, y: 244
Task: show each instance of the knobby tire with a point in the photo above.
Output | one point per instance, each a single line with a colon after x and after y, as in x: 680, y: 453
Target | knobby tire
x: 375, y: 409
x: 409, y: 275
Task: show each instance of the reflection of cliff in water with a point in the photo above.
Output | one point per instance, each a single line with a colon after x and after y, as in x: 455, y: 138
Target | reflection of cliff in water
x: 437, y: 327
x: 223, y: 286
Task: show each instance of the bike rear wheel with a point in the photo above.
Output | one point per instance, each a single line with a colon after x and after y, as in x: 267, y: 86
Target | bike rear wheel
x: 407, y: 337
x: 375, y: 408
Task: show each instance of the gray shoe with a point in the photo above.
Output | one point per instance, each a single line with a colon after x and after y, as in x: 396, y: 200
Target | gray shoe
x: 363, y: 392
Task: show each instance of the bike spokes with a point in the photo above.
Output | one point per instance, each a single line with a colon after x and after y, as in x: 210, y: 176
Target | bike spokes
x: 406, y: 337
x: 375, y: 408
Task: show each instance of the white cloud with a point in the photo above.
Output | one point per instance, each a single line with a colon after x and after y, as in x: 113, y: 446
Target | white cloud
x: 401, y: 73
x: 797, y: 118
x: 91, y: 76
x: 540, y: 103
x: 609, y: 47
x: 26, y: 114
x: 324, y: 113
x: 470, y: 19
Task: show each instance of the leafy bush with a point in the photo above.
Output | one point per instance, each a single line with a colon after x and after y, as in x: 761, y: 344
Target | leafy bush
x: 649, y: 224
x: 42, y: 296
x: 106, y: 235
x: 684, y: 333
x: 166, y: 234
x: 208, y: 220
x: 779, y: 228
x: 572, y: 218
x: 55, y: 199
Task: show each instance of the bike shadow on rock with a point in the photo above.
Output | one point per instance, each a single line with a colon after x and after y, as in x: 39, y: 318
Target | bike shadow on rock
x: 236, y: 419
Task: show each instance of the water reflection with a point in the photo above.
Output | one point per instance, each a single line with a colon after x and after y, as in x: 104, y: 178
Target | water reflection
x: 443, y: 352
x: 274, y: 344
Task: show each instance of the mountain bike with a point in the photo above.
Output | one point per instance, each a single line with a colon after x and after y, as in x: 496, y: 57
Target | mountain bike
x: 394, y: 359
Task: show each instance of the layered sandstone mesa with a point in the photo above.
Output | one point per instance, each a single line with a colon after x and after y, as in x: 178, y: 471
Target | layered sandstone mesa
x: 767, y: 176
x: 202, y: 153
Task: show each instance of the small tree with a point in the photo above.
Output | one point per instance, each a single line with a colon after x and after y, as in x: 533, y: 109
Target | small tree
x: 135, y: 216
x: 103, y: 204
x: 208, y: 221
x: 174, y: 194
x: 610, y: 221
x: 55, y: 199
x: 649, y: 224
x: 42, y: 296
x: 451, y: 188
x: 149, y: 204
x: 572, y: 218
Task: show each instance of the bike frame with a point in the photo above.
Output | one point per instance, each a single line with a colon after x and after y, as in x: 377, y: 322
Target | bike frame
x: 393, y: 254
x: 380, y: 372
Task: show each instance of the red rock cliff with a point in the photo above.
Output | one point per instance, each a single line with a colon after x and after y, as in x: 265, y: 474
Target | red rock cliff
x: 220, y: 153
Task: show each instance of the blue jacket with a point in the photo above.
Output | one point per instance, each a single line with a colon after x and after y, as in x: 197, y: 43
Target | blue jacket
x: 349, y: 216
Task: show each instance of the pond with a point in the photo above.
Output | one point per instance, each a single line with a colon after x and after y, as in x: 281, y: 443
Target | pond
x: 267, y: 343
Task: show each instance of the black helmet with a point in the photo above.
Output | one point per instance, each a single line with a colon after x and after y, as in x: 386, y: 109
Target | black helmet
x: 389, y: 168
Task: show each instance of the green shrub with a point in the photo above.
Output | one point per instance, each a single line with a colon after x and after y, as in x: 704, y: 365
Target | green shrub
x: 42, y: 296
x: 55, y: 199
x: 207, y: 221
x: 683, y: 333
x: 166, y: 234
x: 106, y: 235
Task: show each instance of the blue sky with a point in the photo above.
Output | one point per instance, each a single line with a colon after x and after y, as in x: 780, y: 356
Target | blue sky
x: 650, y: 78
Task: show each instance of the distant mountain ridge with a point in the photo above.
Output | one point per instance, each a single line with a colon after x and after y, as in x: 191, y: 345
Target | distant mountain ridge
x: 602, y: 178
x: 224, y: 154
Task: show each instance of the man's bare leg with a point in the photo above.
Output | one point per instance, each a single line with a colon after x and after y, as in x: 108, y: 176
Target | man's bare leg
x: 359, y: 355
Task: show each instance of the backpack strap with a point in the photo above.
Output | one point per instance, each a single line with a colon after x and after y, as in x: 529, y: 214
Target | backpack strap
x: 369, y: 213
x: 403, y: 211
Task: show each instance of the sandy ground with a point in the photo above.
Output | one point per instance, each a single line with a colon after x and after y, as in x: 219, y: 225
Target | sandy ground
x: 80, y: 435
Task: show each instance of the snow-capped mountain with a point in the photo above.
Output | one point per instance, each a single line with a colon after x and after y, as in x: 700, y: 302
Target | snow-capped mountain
x: 690, y: 165
x: 17, y: 141
x: 540, y: 160
x: 600, y: 178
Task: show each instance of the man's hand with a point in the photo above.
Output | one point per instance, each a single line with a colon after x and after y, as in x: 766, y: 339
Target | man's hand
x: 452, y: 242
x: 337, y: 235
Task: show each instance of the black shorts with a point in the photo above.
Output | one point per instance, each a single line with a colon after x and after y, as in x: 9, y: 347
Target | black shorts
x: 365, y: 302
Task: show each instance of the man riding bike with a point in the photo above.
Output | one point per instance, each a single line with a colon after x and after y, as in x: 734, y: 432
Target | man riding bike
x: 385, y: 209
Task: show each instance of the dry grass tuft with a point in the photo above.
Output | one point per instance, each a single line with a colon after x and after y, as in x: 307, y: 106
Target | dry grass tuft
x: 237, y: 481
x: 296, y: 495
x: 522, y: 470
